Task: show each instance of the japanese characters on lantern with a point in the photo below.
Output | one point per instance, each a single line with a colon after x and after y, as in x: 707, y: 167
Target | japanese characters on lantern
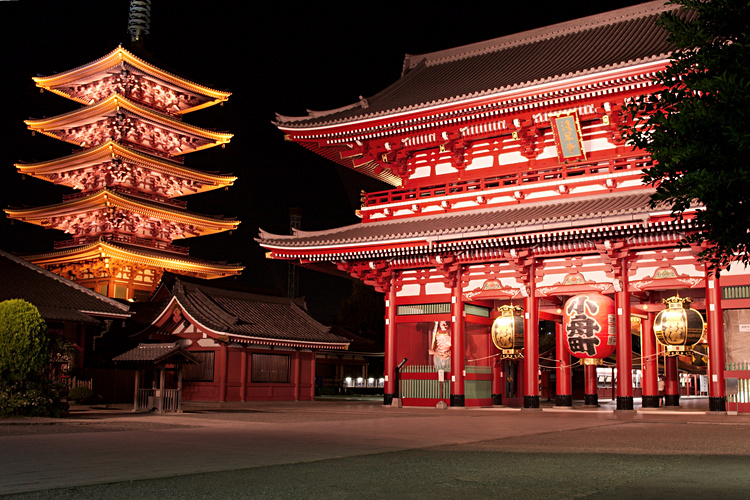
x: 589, y: 321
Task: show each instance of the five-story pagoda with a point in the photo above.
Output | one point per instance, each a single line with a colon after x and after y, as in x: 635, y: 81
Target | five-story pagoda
x: 124, y: 218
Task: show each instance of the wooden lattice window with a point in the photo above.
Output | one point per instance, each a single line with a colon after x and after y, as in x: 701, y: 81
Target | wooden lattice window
x: 271, y: 368
x: 202, y: 372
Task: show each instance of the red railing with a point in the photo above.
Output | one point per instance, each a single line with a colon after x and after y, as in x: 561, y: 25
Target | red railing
x: 519, y: 179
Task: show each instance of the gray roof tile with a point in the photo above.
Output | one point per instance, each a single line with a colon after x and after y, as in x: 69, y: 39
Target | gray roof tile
x: 57, y: 298
x: 512, y: 219
x: 614, y: 39
x: 246, y: 314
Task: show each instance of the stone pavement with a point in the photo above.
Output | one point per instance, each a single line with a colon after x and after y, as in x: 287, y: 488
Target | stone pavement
x: 99, y: 445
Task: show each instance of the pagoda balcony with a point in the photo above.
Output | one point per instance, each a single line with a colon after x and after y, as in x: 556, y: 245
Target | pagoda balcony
x: 135, y: 194
x: 128, y: 239
x: 524, y: 178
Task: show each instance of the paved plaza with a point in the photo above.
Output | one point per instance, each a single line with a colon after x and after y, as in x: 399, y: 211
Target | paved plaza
x: 361, y: 449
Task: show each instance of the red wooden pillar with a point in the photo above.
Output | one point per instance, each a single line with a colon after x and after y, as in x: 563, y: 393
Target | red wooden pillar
x: 390, y: 344
x: 313, y: 361
x: 564, y: 373
x: 297, y: 374
x: 591, y: 388
x: 458, y: 343
x: 716, y: 387
x: 650, y: 397
x: 223, y: 362
x: 498, y: 381
x: 531, y: 343
x: 243, y: 375
x: 624, y: 341
x: 671, y: 382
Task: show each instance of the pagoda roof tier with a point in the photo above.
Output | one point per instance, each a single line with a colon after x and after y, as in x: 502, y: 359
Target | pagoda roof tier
x: 79, y: 169
x: 122, y: 72
x: 122, y: 120
x: 131, y: 254
x: 590, y: 45
x: 109, y: 211
x: 527, y: 223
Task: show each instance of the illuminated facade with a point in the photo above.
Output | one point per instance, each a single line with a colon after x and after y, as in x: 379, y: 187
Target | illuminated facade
x: 513, y: 186
x: 130, y: 168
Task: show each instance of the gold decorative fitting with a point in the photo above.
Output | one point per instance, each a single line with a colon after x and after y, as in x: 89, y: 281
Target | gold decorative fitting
x: 515, y: 135
x: 605, y: 119
x: 593, y: 361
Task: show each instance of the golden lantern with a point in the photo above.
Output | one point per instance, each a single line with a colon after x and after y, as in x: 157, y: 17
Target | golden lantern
x: 678, y: 328
x: 507, y: 332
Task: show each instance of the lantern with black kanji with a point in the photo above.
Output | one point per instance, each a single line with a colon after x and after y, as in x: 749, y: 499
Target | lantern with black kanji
x: 589, y: 322
x: 507, y: 332
x: 678, y: 328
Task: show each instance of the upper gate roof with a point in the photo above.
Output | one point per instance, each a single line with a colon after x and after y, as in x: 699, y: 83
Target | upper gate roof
x: 615, y: 39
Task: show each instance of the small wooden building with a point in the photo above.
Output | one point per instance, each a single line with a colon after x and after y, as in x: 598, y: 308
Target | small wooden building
x: 148, y: 359
x: 249, y: 346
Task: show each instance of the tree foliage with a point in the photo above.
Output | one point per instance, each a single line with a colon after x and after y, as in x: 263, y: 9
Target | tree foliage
x: 24, y: 344
x: 25, y: 387
x: 696, y: 126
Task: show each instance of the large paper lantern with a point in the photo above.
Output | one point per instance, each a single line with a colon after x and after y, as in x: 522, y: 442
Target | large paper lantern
x: 589, y: 321
x: 507, y: 332
x: 678, y: 328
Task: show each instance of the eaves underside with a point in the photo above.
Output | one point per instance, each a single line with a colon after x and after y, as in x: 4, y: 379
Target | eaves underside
x: 105, y: 151
x: 143, y: 255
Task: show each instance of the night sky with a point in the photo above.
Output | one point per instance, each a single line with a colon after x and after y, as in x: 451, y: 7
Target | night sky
x: 274, y: 57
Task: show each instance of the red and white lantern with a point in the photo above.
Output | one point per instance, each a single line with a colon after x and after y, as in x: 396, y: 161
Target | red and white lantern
x: 589, y: 322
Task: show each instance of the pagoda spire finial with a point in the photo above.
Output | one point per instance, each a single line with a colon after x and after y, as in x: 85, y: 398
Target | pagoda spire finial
x: 139, y: 19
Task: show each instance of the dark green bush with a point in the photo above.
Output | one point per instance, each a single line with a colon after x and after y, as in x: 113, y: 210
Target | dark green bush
x: 24, y: 344
x: 32, y: 398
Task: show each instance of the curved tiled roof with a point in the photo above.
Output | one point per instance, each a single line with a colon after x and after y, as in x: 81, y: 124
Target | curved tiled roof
x: 157, y: 354
x: 57, y: 298
x: 605, y: 41
x: 509, y: 219
x: 250, y: 315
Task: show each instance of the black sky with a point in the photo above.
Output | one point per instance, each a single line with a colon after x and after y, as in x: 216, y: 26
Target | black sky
x: 274, y: 57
